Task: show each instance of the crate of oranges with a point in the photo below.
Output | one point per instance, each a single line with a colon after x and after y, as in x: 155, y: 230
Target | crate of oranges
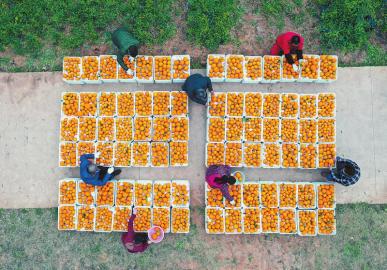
x: 143, y: 220
x: 144, y: 68
x: 90, y: 70
x: 328, y: 69
x: 159, y: 154
x: 72, y: 69
x: 68, y: 154
x: 161, y: 216
x: 269, y: 194
x: 234, y: 68
x: 215, y: 154
x: 216, y: 67
x: 234, y: 129
x: 140, y: 154
x: 86, y: 194
x: 67, y: 191
x: 214, y: 220
x: 85, y: 218
x: 271, y: 69
x: 161, y: 103
x: 289, y: 105
x: 326, y: 221
x: 217, y: 105
x: 88, y: 104
x: 287, y: 221
x: 326, y: 155
x: 124, y: 76
x: 233, y: 221
x: 120, y: 218
x: 216, y: 129
x: 67, y: 217
x: 326, y: 195
x: 310, y: 67
x: 178, y: 154
x: 306, y: 195
x: 251, y: 191
x: 108, y: 68
x: 162, y: 69
x: 106, y: 194
x: 69, y: 104
x: 326, y: 105
x: 307, y: 222
x: 180, y: 220
x: 269, y: 219
x: 253, y: 104
x: 122, y: 154
x: 124, y: 193
x: 179, y: 103
x: 69, y: 129
x: 162, y: 193
x: 181, y: 68
x: 253, y: 69
x: 308, y: 106
x: 271, y: 105
x: 180, y: 193
x: 251, y: 220
x: 308, y: 156
x: 326, y: 129
x: 235, y: 104
x: 288, y: 73
x: 252, y: 155
x: 287, y: 195
x: 125, y: 104
x: 179, y: 128
x: 106, y: 157
x: 233, y: 154
x: 104, y: 219
x: 289, y: 156
x: 143, y: 195
x: 271, y: 156
x: 213, y: 197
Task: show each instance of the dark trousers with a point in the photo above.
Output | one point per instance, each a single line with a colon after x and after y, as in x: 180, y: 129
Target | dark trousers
x: 102, y: 172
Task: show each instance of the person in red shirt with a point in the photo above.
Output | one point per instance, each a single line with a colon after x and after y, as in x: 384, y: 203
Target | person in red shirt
x: 289, y: 43
x: 135, y: 242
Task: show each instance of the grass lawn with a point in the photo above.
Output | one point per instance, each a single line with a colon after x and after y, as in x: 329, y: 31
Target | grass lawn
x: 30, y: 240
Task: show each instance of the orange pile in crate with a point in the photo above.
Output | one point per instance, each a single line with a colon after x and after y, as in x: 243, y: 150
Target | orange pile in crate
x: 235, y: 104
x: 288, y: 71
x: 85, y: 193
x: 252, y: 154
x: 271, y: 105
x: 328, y: 67
x: 253, y: 67
x: 143, y: 219
x: 180, y: 194
x: 287, y: 221
x: 106, y: 156
x: 233, y: 221
x: 88, y: 104
x: 131, y: 66
x: 125, y: 104
x: 143, y: 103
x: 143, y: 194
x: 216, y: 129
x: 90, y: 67
x: 108, y: 67
x: 70, y: 104
x: 106, y: 129
x: 178, y: 153
x: 326, y: 105
x: 326, y: 130
x: 251, y: 195
x: 306, y: 196
x: 308, y: 106
x: 270, y: 130
x: 161, y: 102
x: 235, y: 192
x: 271, y: 154
x: 289, y: 105
x: 72, y: 68
x: 216, y: 69
x: 105, y: 194
x: 161, y: 218
x: 308, y: 131
x: 253, y: 104
x: 269, y: 195
x: 234, y: 128
x: 180, y: 220
x: 308, y: 155
x: 161, y: 129
x: 142, y: 128
x: 272, y: 67
x: 180, y: 69
x: 162, y: 194
x: 252, y: 129
x: 85, y: 219
x: 217, y: 104
x: 289, y: 155
x: 289, y: 128
x: 66, y: 217
x: 233, y: 154
x: 270, y: 219
x: 162, y: 68
x: 326, y: 221
x: 179, y: 128
x: 141, y: 152
x: 215, y: 198
x: 326, y: 196
x: 215, y: 220
x: 326, y: 155
x: 215, y: 153
x: 107, y: 104
x: 69, y: 129
x: 307, y: 222
x: 235, y: 67
x: 68, y: 154
x: 122, y: 154
x: 67, y: 192
x: 124, y: 128
x: 288, y: 196
x: 144, y: 67
x: 103, y: 219
x: 87, y: 128
x: 252, y: 220
x: 309, y: 67
x: 124, y: 196
x: 179, y: 103
x: 121, y: 217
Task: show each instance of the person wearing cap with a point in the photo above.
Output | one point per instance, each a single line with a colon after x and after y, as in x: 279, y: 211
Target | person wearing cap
x: 135, y: 242
x: 346, y: 172
x: 196, y: 87
x: 95, y: 175
x: 219, y: 176
x: 127, y: 44
x: 287, y: 44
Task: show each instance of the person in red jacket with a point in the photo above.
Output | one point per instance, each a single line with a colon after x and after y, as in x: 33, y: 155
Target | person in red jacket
x: 289, y: 43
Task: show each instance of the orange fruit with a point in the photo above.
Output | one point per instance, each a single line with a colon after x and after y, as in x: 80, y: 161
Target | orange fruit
x: 307, y: 222
x: 217, y: 104
x: 72, y: 68
x: 66, y: 217
x: 179, y: 103
x: 108, y: 67
x: 271, y: 105
x: 271, y: 67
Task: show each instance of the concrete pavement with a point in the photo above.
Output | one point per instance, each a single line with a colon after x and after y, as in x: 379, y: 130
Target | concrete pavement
x: 29, y: 135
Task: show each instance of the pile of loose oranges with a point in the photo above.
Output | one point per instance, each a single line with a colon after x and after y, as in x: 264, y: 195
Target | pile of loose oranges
x: 124, y: 127
x: 140, y: 154
x: 270, y: 219
x: 88, y: 104
x: 105, y: 194
x: 85, y: 218
x: 326, y: 155
x: 251, y: 194
x: 306, y: 196
x: 252, y: 129
x: 163, y: 68
x: 179, y: 128
x: 72, y: 68
x: 70, y: 104
x: 180, y: 67
x: 124, y: 193
x: 179, y: 101
x: 236, y: 192
x: 215, y: 66
x: 106, y: 129
x: 108, y: 67
x: 234, y: 67
x: 87, y: 129
x: 326, y: 105
x: 269, y: 195
x: 143, y: 220
x: 326, y: 130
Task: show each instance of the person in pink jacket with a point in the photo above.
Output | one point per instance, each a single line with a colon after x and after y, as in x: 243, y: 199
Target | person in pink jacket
x: 219, y: 176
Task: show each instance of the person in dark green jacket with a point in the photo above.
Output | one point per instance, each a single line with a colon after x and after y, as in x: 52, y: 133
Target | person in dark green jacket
x: 126, y: 44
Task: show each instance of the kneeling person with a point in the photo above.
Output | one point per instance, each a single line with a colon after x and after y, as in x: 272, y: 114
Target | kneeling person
x: 196, y: 87
x: 95, y: 175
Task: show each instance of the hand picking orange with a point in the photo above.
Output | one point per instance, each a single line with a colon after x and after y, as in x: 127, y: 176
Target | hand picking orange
x: 85, y: 148
x: 287, y: 69
x: 131, y: 66
x: 236, y: 192
x: 122, y: 154
x: 310, y: 67
x: 72, y: 68
x: 108, y: 67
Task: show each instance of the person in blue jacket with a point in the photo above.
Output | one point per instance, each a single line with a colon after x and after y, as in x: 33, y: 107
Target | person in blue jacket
x: 95, y: 175
x: 196, y: 87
